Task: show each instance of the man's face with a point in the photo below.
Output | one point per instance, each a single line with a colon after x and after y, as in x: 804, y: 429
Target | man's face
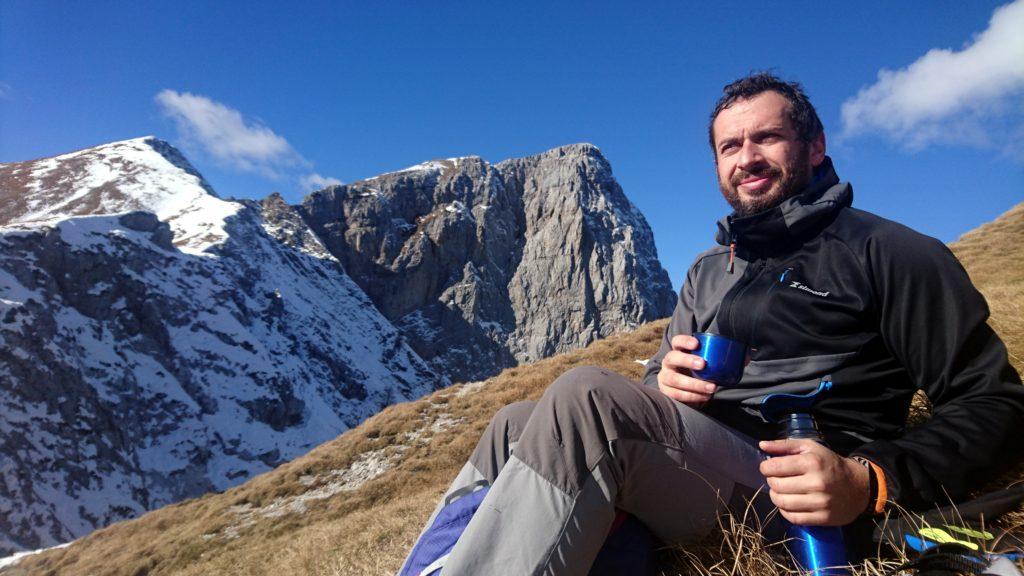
x: 760, y: 159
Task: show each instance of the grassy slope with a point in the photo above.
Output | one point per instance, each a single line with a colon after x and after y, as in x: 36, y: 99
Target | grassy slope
x: 993, y: 255
x: 367, y: 530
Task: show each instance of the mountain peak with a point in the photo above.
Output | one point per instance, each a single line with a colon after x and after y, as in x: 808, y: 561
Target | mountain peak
x: 144, y: 173
x: 582, y: 148
x: 436, y: 166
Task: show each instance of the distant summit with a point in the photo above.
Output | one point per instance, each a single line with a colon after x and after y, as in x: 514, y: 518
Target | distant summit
x: 139, y: 174
x: 485, y: 266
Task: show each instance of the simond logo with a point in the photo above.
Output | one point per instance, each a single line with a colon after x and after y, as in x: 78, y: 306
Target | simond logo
x: 808, y: 289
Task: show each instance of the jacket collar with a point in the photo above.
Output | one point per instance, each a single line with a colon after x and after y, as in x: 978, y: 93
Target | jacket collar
x: 793, y: 219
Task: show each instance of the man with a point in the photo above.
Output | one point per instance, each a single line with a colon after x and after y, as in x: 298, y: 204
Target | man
x: 817, y: 289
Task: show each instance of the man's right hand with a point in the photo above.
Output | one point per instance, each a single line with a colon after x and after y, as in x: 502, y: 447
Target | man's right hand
x: 676, y: 380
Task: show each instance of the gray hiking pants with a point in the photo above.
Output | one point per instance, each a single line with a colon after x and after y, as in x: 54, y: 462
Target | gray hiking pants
x: 596, y: 441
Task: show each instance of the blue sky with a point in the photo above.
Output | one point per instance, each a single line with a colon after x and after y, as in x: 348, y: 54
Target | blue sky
x: 263, y: 95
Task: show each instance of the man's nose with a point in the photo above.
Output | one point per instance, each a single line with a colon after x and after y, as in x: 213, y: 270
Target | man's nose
x: 749, y: 156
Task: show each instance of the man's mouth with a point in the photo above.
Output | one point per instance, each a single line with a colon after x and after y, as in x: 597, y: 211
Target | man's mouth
x: 757, y: 183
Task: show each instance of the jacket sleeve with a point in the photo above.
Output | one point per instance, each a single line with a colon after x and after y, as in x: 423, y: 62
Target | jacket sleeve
x: 933, y: 321
x: 682, y: 322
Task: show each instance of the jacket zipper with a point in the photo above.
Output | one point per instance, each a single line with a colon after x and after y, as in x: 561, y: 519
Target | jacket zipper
x: 756, y: 326
x: 730, y: 265
x: 750, y: 275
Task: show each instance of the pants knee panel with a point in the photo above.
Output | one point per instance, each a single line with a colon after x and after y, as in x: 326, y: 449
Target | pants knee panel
x: 511, y: 419
x: 577, y: 385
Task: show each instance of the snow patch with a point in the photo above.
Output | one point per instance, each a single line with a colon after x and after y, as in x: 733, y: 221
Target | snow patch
x: 129, y: 176
x: 13, y: 293
x: 429, y: 166
x: 18, y: 557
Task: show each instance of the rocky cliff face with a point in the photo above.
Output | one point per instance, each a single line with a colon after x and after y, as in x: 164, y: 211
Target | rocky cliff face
x: 484, y: 266
x: 144, y: 360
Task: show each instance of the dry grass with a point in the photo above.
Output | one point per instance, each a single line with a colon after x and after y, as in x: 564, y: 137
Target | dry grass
x: 994, y: 257
x: 271, y: 526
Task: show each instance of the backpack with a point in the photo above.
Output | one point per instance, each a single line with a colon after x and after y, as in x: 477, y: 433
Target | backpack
x: 628, y: 549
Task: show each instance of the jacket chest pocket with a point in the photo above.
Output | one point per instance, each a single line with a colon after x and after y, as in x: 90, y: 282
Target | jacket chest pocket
x: 787, y: 312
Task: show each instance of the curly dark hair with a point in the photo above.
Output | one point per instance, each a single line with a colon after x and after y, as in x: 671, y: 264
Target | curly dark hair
x: 801, y: 112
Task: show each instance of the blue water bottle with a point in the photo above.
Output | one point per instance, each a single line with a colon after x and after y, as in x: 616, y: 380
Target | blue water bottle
x: 818, y: 549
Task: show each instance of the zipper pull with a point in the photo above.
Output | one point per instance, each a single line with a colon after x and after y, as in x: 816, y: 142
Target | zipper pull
x: 730, y: 266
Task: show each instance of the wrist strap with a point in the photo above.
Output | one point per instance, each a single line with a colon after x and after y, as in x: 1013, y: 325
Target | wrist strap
x: 878, y: 493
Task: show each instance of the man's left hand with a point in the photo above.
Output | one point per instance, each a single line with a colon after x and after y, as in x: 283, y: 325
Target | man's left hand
x: 812, y: 485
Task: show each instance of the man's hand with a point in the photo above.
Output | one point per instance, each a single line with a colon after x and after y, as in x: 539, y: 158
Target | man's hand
x: 814, y: 486
x: 675, y: 379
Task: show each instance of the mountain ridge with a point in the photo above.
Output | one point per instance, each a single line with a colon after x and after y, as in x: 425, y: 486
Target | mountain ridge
x: 159, y: 342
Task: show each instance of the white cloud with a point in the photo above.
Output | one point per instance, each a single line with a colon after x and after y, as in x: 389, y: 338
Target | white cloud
x: 315, y: 181
x: 970, y: 96
x: 233, y: 140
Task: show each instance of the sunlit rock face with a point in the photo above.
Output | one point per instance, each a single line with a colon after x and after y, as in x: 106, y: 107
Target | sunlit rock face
x: 485, y: 266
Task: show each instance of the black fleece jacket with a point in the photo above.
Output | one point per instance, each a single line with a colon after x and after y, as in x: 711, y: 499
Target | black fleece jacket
x: 818, y: 288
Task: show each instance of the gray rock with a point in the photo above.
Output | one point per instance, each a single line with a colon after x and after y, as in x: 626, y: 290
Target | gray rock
x: 485, y: 266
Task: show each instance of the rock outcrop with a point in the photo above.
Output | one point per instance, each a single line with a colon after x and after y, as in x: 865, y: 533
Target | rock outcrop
x: 485, y: 266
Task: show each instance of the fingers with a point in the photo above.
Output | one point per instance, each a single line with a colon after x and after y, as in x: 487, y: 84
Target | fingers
x: 675, y: 381
x: 803, y: 484
x: 683, y: 388
x: 684, y: 342
x: 682, y: 362
x: 785, y: 447
x: 795, y: 503
x: 801, y: 503
x: 812, y: 485
x: 793, y: 465
x: 819, y: 518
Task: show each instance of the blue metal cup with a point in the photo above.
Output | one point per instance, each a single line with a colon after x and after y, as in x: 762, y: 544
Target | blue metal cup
x: 724, y: 359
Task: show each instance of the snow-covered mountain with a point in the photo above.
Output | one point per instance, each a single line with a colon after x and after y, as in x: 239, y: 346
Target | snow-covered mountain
x: 157, y: 342
x: 141, y: 174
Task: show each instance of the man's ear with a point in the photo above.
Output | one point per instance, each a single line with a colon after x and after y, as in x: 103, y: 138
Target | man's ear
x: 818, y: 150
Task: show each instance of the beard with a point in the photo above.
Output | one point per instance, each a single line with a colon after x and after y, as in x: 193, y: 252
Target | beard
x: 789, y: 180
